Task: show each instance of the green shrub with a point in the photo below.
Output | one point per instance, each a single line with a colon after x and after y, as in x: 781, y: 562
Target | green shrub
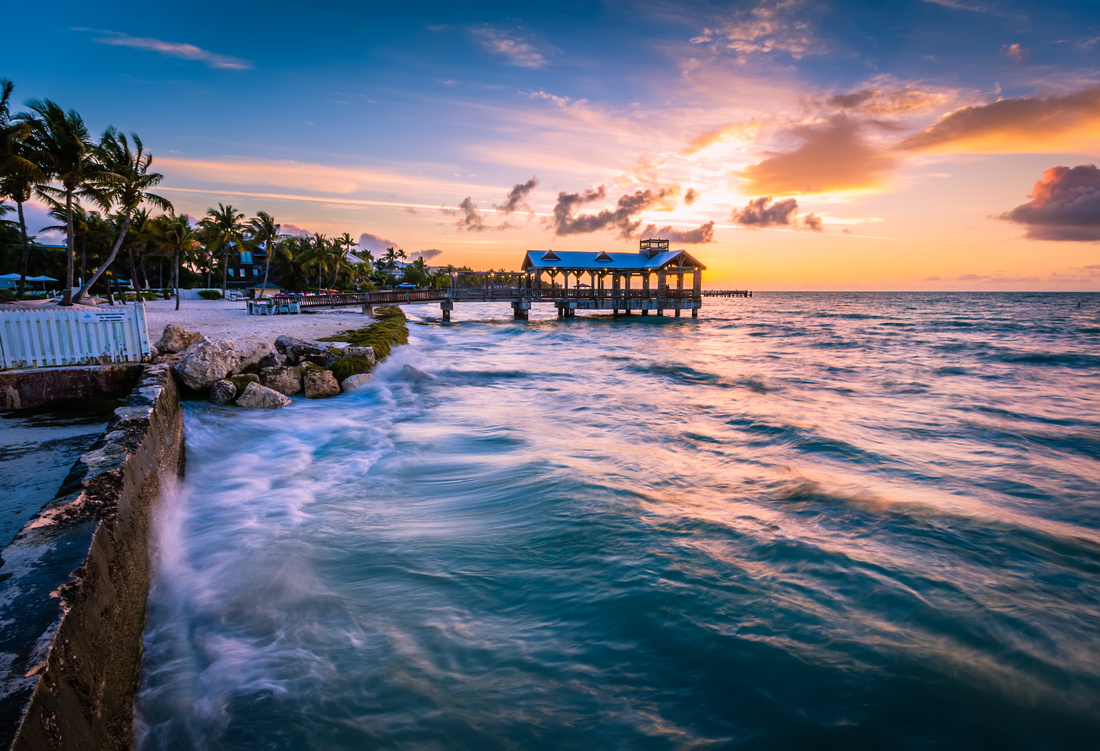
x: 7, y: 295
x: 391, y: 329
x: 210, y: 294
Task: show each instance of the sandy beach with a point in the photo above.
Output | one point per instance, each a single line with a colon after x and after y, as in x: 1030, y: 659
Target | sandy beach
x: 225, y: 319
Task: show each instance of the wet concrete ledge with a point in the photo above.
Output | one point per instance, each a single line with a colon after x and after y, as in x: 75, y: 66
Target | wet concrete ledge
x: 24, y: 389
x: 74, y: 584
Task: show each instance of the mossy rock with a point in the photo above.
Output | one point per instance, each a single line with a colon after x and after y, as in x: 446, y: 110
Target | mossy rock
x: 240, y: 382
x: 346, y: 367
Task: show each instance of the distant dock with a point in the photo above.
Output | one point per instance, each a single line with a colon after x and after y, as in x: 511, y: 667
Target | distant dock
x: 727, y: 293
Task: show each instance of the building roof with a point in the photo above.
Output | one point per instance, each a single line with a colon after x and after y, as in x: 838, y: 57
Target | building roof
x: 573, y: 260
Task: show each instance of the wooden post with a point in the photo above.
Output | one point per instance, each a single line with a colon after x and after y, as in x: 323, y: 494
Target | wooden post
x: 626, y: 294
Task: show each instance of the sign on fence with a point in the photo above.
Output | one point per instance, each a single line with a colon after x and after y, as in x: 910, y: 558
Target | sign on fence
x: 38, y: 338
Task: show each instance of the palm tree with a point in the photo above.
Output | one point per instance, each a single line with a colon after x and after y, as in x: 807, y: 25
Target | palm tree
x: 176, y: 233
x: 19, y: 171
x: 265, y: 232
x: 346, y: 242
x: 226, y: 227
x: 67, y: 155
x: 318, y: 254
x: 389, y: 258
x: 125, y: 182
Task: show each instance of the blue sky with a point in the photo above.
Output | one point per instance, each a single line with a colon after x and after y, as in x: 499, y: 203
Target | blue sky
x: 893, y: 143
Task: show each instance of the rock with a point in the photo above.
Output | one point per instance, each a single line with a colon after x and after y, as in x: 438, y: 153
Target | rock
x: 273, y: 360
x: 176, y: 339
x: 319, y: 384
x: 154, y: 353
x: 282, y: 342
x: 297, y: 351
x: 286, y: 380
x: 251, y: 354
x: 366, y: 352
x: 351, y: 383
x: 222, y: 392
x: 416, y: 374
x: 261, y: 397
x: 204, y: 362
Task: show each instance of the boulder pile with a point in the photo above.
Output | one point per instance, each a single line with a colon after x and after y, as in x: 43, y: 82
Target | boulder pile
x: 262, y: 375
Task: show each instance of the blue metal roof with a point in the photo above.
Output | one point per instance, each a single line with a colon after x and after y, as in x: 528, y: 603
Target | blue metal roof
x: 598, y: 261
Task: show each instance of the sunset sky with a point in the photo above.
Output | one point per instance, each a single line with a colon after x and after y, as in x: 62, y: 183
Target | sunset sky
x: 917, y: 144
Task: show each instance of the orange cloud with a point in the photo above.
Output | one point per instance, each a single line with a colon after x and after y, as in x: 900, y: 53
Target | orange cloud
x: 1024, y: 124
x: 834, y: 156
x: 734, y: 130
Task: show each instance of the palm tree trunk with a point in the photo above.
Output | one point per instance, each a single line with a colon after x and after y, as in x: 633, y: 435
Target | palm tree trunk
x: 133, y: 270
x: 267, y: 268
x: 83, y: 257
x: 67, y: 295
x: 110, y: 259
x: 177, y: 279
x: 225, y: 271
x: 26, y: 251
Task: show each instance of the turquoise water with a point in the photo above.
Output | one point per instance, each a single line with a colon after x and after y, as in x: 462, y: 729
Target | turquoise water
x: 800, y: 521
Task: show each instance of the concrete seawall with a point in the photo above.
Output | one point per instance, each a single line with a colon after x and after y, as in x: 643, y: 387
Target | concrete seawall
x: 24, y: 389
x: 74, y: 583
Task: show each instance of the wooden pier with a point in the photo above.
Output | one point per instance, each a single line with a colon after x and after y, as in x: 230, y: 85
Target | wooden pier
x: 650, y: 281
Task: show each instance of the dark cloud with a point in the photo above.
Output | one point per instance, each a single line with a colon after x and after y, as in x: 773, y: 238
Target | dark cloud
x: 374, y: 243
x: 294, y: 230
x: 1064, y: 205
x: 833, y: 156
x: 887, y: 102
x: 704, y: 233
x: 517, y: 197
x: 853, y: 100
x: 761, y: 212
x: 690, y: 196
x: 620, y: 218
x: 1012, y: 125
x: 472, y: 221
x: 427, y: 255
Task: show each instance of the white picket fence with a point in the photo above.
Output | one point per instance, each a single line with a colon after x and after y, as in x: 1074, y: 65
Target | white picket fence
x: 78, y: 335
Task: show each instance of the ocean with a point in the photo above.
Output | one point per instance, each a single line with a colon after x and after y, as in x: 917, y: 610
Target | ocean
x: 803, y: 520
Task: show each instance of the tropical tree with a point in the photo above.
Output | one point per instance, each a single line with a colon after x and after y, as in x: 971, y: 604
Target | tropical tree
x: 265, y: 232
x: 176, y: 233
x: 20, y: 173
x: 320, y: 253
x: 124, y: 182
x: 345, y: 242
x: 390, y: 258
x: 66, y: 153
x: 226, y: 226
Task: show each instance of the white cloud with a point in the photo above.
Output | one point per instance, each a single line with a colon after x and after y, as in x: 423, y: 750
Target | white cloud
x: 513, y: 46
x: 175, y: 49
